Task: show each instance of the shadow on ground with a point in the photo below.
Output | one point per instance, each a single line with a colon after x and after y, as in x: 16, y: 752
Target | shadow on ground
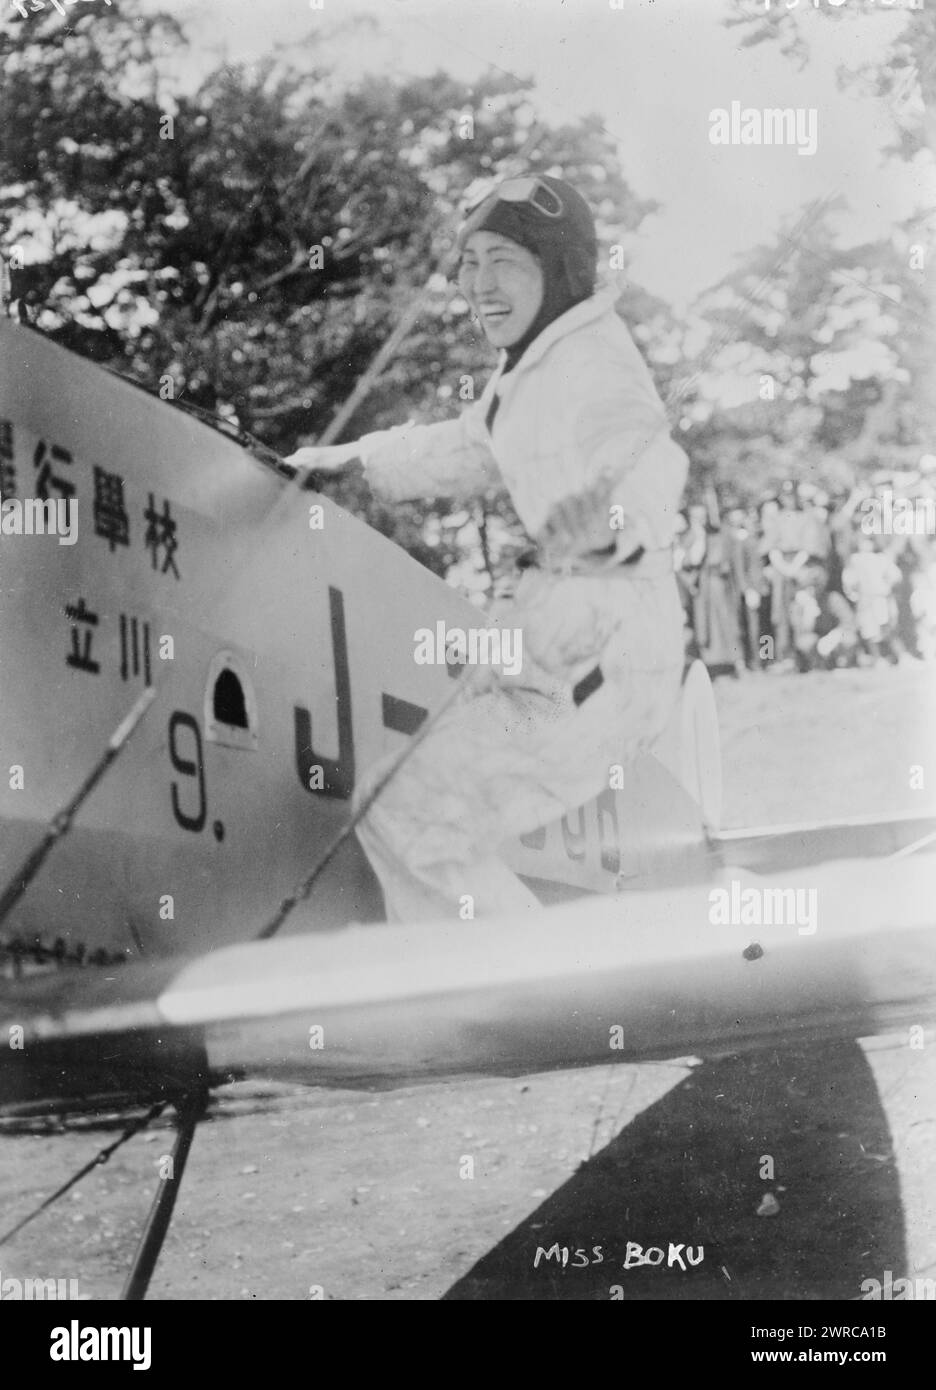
x: 687, y: 1171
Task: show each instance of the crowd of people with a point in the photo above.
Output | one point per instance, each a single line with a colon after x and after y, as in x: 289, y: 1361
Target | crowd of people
x: 806, y: 581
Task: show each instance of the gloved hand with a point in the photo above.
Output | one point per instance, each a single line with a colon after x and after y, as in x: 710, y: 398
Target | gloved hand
x: 577, y: 527
x: 329, y: 458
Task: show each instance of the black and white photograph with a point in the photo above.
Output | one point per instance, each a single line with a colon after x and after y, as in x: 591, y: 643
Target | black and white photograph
x: 468, y: 663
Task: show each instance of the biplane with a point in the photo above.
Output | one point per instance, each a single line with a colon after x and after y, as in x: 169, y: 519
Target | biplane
x: 264, y: 639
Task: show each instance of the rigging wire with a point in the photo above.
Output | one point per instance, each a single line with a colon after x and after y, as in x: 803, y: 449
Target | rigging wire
x: 133, y: 1128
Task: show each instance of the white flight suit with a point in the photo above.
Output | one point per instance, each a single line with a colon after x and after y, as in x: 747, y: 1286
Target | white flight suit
x: 579, y: 407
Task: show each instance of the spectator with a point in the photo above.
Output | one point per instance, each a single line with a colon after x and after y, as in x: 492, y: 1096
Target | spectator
x: 685, y: 549
x: 780, y: 571
x: 786, y: 548
x: 716, y: 604
x: 691, y: 545
x: 838, y: 550
x: 817, y: 535
x: 748, y: 572
x: 870, y: 578
x: 908, y: 554
x: 767, y: 515
x: 844, y: 526
x: 825, y: 633
x: 923, y: 602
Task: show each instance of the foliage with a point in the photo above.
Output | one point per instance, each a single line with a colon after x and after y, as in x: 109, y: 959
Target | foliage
x: 187, y: 247
x: 258, y: 240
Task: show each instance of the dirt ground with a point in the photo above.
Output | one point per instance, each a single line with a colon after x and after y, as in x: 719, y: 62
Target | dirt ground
x: 448, y: 1190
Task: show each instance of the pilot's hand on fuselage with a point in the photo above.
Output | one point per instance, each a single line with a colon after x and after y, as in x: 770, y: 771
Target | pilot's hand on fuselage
x: 319, y: 460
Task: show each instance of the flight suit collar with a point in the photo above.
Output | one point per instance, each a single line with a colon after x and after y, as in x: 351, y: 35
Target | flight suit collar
x: 595, y: 307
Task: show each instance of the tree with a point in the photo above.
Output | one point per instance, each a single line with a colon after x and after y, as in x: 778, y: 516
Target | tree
x: 904, y: 76
x: 845, y: 334
x: 820, y: 374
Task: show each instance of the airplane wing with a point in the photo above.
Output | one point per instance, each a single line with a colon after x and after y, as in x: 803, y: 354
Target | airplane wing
x: 843, y: 948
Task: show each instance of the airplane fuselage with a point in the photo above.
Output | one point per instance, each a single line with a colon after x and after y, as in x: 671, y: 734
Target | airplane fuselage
x: 280, y: 636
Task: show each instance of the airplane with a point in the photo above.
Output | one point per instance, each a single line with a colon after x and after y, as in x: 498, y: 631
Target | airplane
x: 271, y: 634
